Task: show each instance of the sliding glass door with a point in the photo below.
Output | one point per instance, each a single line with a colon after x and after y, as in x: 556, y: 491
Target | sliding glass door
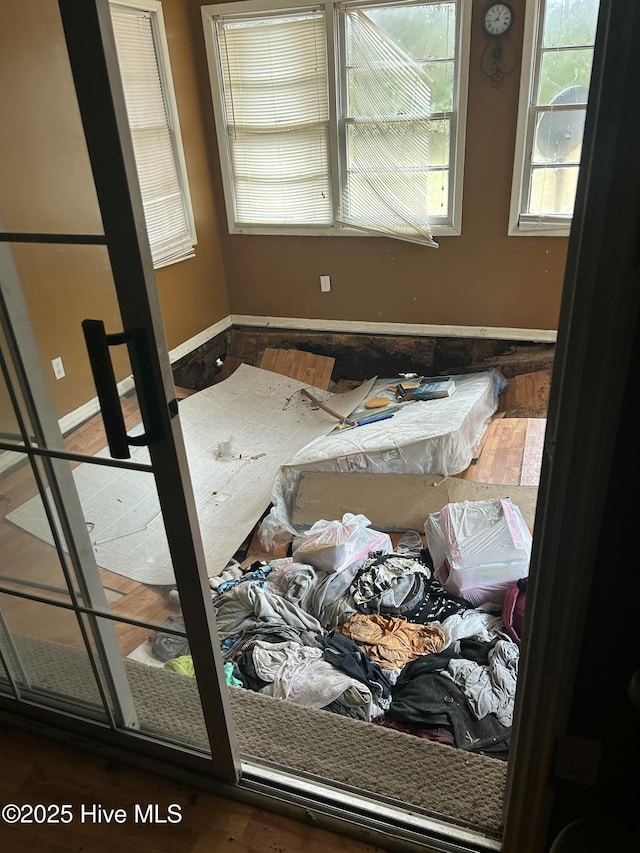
x: 97, y: 522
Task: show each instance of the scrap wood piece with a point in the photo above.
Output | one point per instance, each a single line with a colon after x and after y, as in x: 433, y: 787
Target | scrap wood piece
x: 307, y: 367
x: 396, y: 502
x: 526, y: 395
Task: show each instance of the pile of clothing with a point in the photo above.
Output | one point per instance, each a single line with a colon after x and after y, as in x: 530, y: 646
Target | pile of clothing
x: 380, y: 640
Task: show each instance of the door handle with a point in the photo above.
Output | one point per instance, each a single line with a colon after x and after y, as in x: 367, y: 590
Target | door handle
x: 98, y: 343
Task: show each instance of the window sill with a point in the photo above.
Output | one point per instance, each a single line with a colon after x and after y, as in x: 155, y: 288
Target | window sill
x: 311, y: 231
x: 541, y: 228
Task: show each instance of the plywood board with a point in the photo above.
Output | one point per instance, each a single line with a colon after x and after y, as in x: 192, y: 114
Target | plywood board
x: 304, y: 366
x: 395, y: 501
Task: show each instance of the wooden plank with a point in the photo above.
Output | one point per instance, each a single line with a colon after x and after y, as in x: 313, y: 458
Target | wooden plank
x: 501, y: 459
x: 396, y: 502
x: 526, y: 395
x: 533, y: 448
x: 389, y: 501
x: 307, y: 367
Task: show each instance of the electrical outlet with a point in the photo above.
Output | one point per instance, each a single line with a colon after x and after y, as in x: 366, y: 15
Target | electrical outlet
x: 58, y: 369
x: 325, y: 283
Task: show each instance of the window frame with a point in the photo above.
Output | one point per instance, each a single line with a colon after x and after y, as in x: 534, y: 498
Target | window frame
x: 159, y: 34
x: 336, y: 80
x: 522, y: 223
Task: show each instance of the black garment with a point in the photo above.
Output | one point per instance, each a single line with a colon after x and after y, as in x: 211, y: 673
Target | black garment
x: 345, y: 654
x: 426, y: 601
x: 436, y: 604
x: 247, y: 669
x: 338, y: 707
x: 424, y: 696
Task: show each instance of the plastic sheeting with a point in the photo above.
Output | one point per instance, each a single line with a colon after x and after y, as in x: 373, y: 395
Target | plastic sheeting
x: 423, y: 437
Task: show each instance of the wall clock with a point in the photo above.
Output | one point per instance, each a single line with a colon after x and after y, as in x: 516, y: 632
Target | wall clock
x: 497, y: 19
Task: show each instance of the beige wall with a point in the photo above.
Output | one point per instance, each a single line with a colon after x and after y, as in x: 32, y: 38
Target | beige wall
x: 46, y: 186
x: 482, y: 278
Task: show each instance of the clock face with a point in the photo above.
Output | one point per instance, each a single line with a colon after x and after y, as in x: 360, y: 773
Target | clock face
x: 498, y: 19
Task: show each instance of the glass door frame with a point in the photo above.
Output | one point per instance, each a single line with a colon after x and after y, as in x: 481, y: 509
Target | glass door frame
x: 94, y: 64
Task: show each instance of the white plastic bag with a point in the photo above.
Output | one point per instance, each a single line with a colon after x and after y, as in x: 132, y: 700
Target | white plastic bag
x: 331, y: 546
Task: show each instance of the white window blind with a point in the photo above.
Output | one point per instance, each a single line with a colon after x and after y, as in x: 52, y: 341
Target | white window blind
x: 389, y: 101
x: 276, y: 109
x: 161, y: 175
x: 339, y: 118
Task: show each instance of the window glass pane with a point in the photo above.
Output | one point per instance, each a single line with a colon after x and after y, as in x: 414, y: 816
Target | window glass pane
x: 43, y: 648
x: 423, y: 32
x: 162, y: 685
x: 399, y: 145
x: 11, y: 399
x: 362, y: 82
x: 558, y: 136
x: 553, y: 124
x: 439, y: 142
x: 564, y: 76
x: 30, y: 563
x: 45, y: 171
x: 438, y: 193
x: 432, y: 185
x: 553, y: 190
x: 441, y: 84
x: 570, y: 22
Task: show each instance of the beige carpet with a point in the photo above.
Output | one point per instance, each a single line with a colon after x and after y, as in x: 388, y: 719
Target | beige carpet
x: 465, y: 788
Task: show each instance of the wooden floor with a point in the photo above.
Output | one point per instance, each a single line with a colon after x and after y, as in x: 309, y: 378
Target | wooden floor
x: 35, y: 769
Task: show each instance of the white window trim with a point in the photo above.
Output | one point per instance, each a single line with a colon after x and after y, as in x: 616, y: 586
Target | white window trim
x: 154, y: 8
x: 547, y: 225
x: 458, y: 121
x: 529, y: 49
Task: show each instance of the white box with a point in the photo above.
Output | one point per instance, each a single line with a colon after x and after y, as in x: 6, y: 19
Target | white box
x: 479, y: 547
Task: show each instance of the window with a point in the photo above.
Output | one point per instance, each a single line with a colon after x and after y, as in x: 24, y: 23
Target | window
x: 554, y: 90
x: 153, y: 119
x: 340, y: 118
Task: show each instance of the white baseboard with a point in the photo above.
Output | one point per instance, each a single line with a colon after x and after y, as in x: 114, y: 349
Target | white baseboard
x: 201, y: 338
x: 497, y: 333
